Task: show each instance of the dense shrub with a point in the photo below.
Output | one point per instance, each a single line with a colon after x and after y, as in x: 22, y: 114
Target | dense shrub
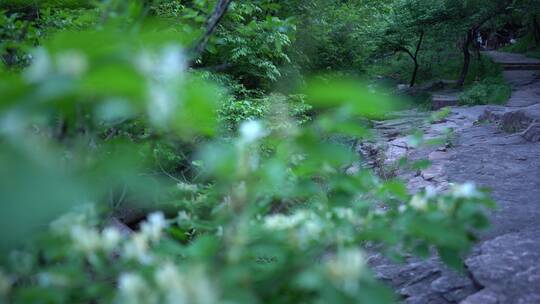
x: 488, y: 91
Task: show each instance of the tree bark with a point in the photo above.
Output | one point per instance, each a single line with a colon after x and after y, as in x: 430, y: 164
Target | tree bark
x: 536, y: 30
x: 415, y: 58
x: 470, y: 38
x: 211, y: 24
x: 415, y: 72
x: 466, y: 57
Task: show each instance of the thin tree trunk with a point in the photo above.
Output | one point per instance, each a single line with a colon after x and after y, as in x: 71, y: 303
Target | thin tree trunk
x: 415, y: 72
x: 415, y: 59
x: 211, y: 24
x: 466, y: 57
x: 536, y: 30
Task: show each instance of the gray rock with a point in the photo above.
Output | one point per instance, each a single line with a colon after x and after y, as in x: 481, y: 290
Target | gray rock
x: 505, y: 266
x: 486, y: 296
x: 532, y: 133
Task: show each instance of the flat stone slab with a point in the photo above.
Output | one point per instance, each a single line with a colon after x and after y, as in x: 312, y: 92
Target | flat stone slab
x: 509, y: 269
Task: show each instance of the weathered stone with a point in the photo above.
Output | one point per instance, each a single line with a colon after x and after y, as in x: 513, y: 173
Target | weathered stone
x: 505, y: 267
x: 485, y: 296
x: 509, y: 265
x: 515, y: 121
x: 449, y: 282
x: 532, y: 133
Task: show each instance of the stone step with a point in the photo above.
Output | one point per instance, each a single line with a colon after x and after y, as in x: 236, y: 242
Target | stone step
x: 440, y: 101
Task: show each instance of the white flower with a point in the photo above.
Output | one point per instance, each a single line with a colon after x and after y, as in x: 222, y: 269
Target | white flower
x: 172, y: 62
x: 346, y: 268
x: 71, y: 63
x: 402, y: 208
x: 431, y: 192
x: 85, y: 239
x: 130, y: 283
x: 40, y: 68
x: 133, y: 289
x: 467, y: 190
x: 161, y: 105
x: 137, y: 248
x: 345, y: 213
x: 201, y: 289
x: 185, y: 187
x: 168, y: 277
x: 172, y: 284
x: 168, y: 65
x: 81, y: 217
x: 283, y: 222
x: 110, y: 237
x: 154, y: 225
x: 183, y: 216
x: 312, y: 229
x: 418, y: 202
x: 5, y: 283
x: 277, y: 222
x: 251, y: 131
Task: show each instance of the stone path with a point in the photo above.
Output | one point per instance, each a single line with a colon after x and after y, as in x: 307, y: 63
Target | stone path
x: 497, y: 147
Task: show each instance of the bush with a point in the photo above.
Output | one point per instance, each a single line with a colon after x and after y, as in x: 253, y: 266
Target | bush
x: 488, y: 91
x: 119, y: 186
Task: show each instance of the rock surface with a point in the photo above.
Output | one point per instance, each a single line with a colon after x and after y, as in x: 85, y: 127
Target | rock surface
x: 493, y: 146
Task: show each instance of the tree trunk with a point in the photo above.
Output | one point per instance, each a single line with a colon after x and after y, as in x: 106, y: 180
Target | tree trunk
x: 466, y: 58
x: 415, y: 59
x: 211, y: 24
x: 413, y: 78
x: 536, y: 30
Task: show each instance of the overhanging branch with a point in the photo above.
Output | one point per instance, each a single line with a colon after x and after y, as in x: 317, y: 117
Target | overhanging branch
x: 211, y: 24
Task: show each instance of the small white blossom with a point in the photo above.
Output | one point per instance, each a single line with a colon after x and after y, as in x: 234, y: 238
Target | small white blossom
x: 346, y: 268
x: 133, y: 289
x: 467, y: 190
x: 172, y: 62
x: 137, y: 248
x: 110, y: 238
x: 251, y: 131
x: 81, y: 217
x: 431, y: 192
x: 185, y: 187
x: 419, y: 203
x: 183, y: 216
x: 85, y: 239
x: 277, y: 222
x: 345, y: 213
x: 154, y: 225
x: 72, y: 63
x: 168, y: 277
x: 161, y: 104
x: 168, y: 65
x: 130, y: 283
x: 402, y: 208
x: 40, y: 68
x: 283, y: 222
x: 172, y: 284
x: 201, y: 289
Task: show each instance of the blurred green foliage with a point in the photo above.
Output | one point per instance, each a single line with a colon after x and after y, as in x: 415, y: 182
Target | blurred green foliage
x: 133, y: 173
